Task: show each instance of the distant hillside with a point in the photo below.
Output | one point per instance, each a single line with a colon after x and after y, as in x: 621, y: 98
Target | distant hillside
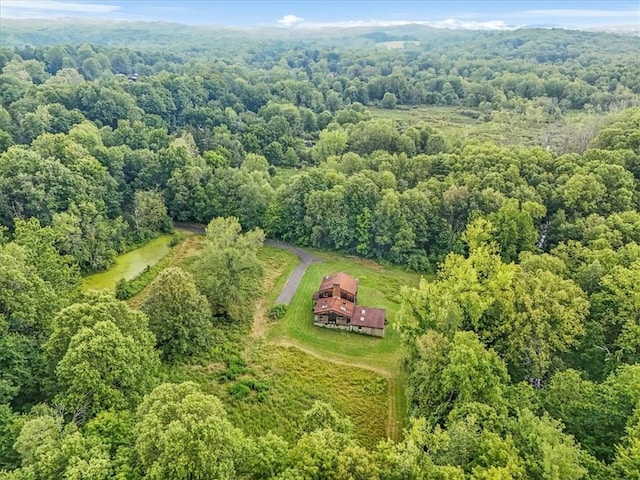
x: 538, y: 45
x: 382, y: 37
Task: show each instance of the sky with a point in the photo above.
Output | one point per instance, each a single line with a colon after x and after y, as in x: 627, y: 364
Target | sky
x: 477, y: 14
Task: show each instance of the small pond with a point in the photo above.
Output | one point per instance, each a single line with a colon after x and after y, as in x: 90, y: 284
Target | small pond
x: 129, y: 264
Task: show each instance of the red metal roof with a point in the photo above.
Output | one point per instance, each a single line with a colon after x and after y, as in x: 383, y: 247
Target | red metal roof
x: 334, y: 304
x: 346, y: 282
x: 368, y: 317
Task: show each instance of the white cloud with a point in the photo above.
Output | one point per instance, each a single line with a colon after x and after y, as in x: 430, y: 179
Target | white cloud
x: 450, y: 23
x: 44, y: 8
x: 290, y: 20
x: 580, y: 13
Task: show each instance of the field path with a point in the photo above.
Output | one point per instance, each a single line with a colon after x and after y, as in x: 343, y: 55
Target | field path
x: 306, y: 259
x: 395, y: 413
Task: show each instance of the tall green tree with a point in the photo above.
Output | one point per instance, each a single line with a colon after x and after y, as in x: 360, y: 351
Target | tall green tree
x: 50, y: 450
x: 150, y: 213
x: 445, y: 375
x: 103, y: 368
x: 181, y: 433
x: 548, y: 319
x: 227, y: 271
x: 179, y: 315
x: 59, y: 271
x: 102, y: 355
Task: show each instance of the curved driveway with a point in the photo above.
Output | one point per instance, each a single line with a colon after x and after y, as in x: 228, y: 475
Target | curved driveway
x: 289, y: 289
x: 306, y: 259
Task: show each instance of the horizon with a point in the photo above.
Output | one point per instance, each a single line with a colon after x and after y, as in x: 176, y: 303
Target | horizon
x: 468, y: 15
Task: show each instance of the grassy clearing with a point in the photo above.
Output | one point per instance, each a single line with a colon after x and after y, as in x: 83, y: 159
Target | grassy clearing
x: 270, y: 373
x: 283, y: 382
x: 397, y: 44
x: 506, y: 127
x: 293, y: 380
x: 445, y: 119
x: 378, y: 287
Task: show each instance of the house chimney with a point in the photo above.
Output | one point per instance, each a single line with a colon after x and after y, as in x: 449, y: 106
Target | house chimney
x: 336, y: 290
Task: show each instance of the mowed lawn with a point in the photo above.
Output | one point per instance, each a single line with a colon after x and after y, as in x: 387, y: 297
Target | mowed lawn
x: 378, y: 287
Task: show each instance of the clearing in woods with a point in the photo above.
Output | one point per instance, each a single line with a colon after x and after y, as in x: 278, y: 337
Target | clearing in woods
x: 378, y: 286
x: 532, y: 127
x: 269, y: 375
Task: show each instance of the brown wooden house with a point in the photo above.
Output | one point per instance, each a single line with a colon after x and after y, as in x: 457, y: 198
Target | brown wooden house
x: 335, y: 306
x: 333, y: 310
x: 338, y: 285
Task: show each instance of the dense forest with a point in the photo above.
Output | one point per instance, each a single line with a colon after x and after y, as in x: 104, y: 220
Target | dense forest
x: 521, y: 343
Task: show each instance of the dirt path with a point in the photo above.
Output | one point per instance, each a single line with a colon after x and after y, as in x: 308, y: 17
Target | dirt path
x: 394, y: 383
x: 306, y: 259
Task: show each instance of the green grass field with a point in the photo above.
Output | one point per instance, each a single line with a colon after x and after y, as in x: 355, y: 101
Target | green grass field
x: 293, y: 380
x: 378, y: 287
x: 289, y: 363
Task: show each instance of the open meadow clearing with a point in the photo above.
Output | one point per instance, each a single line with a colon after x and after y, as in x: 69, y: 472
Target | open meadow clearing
x: 272, y: 372
x: 270, y: 375
x: 532, y: 127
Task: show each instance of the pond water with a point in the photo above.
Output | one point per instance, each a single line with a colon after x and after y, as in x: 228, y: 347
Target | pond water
x: 130, y: 264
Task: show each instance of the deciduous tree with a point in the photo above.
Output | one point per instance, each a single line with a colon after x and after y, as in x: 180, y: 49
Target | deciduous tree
x: 227, y: 271
x: 179, y: 315
x: 182, y: 433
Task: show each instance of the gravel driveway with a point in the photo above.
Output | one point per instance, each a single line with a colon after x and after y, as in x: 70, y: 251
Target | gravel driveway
x: 306, y: 259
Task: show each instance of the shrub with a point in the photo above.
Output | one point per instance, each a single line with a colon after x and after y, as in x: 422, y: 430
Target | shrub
x: 278, y: 311
x: 124, y: 290
x: 239, y: 390
x: 176, y: 239
x: 389, y: 101
x: 236, y: 366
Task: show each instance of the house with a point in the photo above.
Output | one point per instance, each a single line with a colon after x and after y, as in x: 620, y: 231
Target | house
x: 338, y: 285
x: 335, y: 306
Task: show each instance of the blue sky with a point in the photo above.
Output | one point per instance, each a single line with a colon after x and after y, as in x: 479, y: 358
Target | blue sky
x: 313, y: 14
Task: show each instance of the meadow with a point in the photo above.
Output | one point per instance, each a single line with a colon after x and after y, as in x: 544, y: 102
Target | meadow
x: 269, y: 373
x: 530, y: 126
